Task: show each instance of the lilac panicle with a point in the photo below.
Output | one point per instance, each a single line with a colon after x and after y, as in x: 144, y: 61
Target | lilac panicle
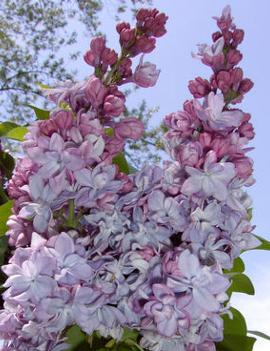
x: 104, y: 250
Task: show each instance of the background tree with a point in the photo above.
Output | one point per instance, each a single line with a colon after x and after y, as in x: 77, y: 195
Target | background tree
x: 31, y: 35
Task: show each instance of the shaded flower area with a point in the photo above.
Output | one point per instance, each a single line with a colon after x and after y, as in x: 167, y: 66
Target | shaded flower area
x: 97, y: 247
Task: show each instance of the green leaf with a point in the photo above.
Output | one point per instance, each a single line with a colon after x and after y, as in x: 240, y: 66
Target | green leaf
x: 6, y: 127
x: 236, y: 325
x: 3, y: 248
x: 17, y: 133
x: 121, y: 347
x: 235, y: 334
x: 241, y: 283
x: 3, y: 196
x: 132, y: 169
x: 110, y: 343
x: 109, y: 131
x: 236, y: 343
x: 5, y: 212
x: 265, y: 244
x: 238, y: 266
x: 75, y: 337
x: 7, y: 164
x: 260, y: 334
x: 130, y: 334
x: 43, y: 86
x: 250, y: 213
x: 40, y: 113
x: 121, y: 162
x: 133, y: 345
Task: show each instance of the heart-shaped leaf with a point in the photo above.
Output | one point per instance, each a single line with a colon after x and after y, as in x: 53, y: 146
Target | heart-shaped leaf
x: 242, y: 284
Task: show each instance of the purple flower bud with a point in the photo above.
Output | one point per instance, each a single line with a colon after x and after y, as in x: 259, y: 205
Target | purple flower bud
x: 143, y: 45
x: 234, y: 57
x: 199, y: 87
x: 146, y: 74
x: 130, y: 127
x: 122, y: 25
x: 238, y: 36
x: 97, y: 45
x: 109, y: 56
x: 245, y: 86
x: 113, y: 106
x: 91, y: 59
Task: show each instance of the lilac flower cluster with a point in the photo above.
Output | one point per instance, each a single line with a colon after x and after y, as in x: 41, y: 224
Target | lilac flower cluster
x: 106, y: 250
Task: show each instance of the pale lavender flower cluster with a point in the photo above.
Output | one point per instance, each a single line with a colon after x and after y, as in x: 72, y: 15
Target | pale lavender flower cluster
x: 106, y: 250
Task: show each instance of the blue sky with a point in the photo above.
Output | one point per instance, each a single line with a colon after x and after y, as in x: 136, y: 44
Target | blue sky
x: 190, y: 23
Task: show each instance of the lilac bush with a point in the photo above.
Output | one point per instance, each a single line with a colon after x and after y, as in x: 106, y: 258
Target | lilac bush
x: 105, y: 250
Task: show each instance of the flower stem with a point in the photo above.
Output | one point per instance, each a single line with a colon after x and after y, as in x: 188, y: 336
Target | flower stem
x: 71, y: 221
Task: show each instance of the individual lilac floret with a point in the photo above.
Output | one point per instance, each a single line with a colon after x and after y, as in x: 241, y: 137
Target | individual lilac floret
x: 202, y: 282
x: 40, y: 209
x: 165, y: 210
x: 146, y: 74
x: 211, y: 181
x: 60, y: 156
x: 212, y: 55
x: 32, y: 280
x: 71, y: 268
x: 98, y: 187
x: 214, y: 116
x: 167, y: 311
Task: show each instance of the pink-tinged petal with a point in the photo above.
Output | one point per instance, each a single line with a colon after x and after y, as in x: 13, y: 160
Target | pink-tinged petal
x: 86, y: 295
x: 49, y: 169
x: 40, y: 223
x: 11, y: 269
x: 163, y: 293
x: 156, y: 200
x: 216, y: 102
x: 188, y: 264
x: 58, y: 183
x: 42, y: 287
x: 130, y: 127
x: 64, y: 245
x: 194, y: 172
x: 99, y: 147
x: 227, y: 172
x: 205, y: 299
x: 176, y: 286
x: 146, y: 74
x: 73, y: 160
x: 36, y: 154
x: 191, y: 186
x: 36, y: 185
x: 82, y: 271
x: 167, y: 326
x: 52, y: 305
x: 218, y: 284
x: 219, y: 190
x: 83, y: 177
x: 183, y: 301
x: 57, y: 143
x: 233, y: 118
x: 251, y: 241
x: 18, y: 284
x: 37, y: 241
x: 28, y: 211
